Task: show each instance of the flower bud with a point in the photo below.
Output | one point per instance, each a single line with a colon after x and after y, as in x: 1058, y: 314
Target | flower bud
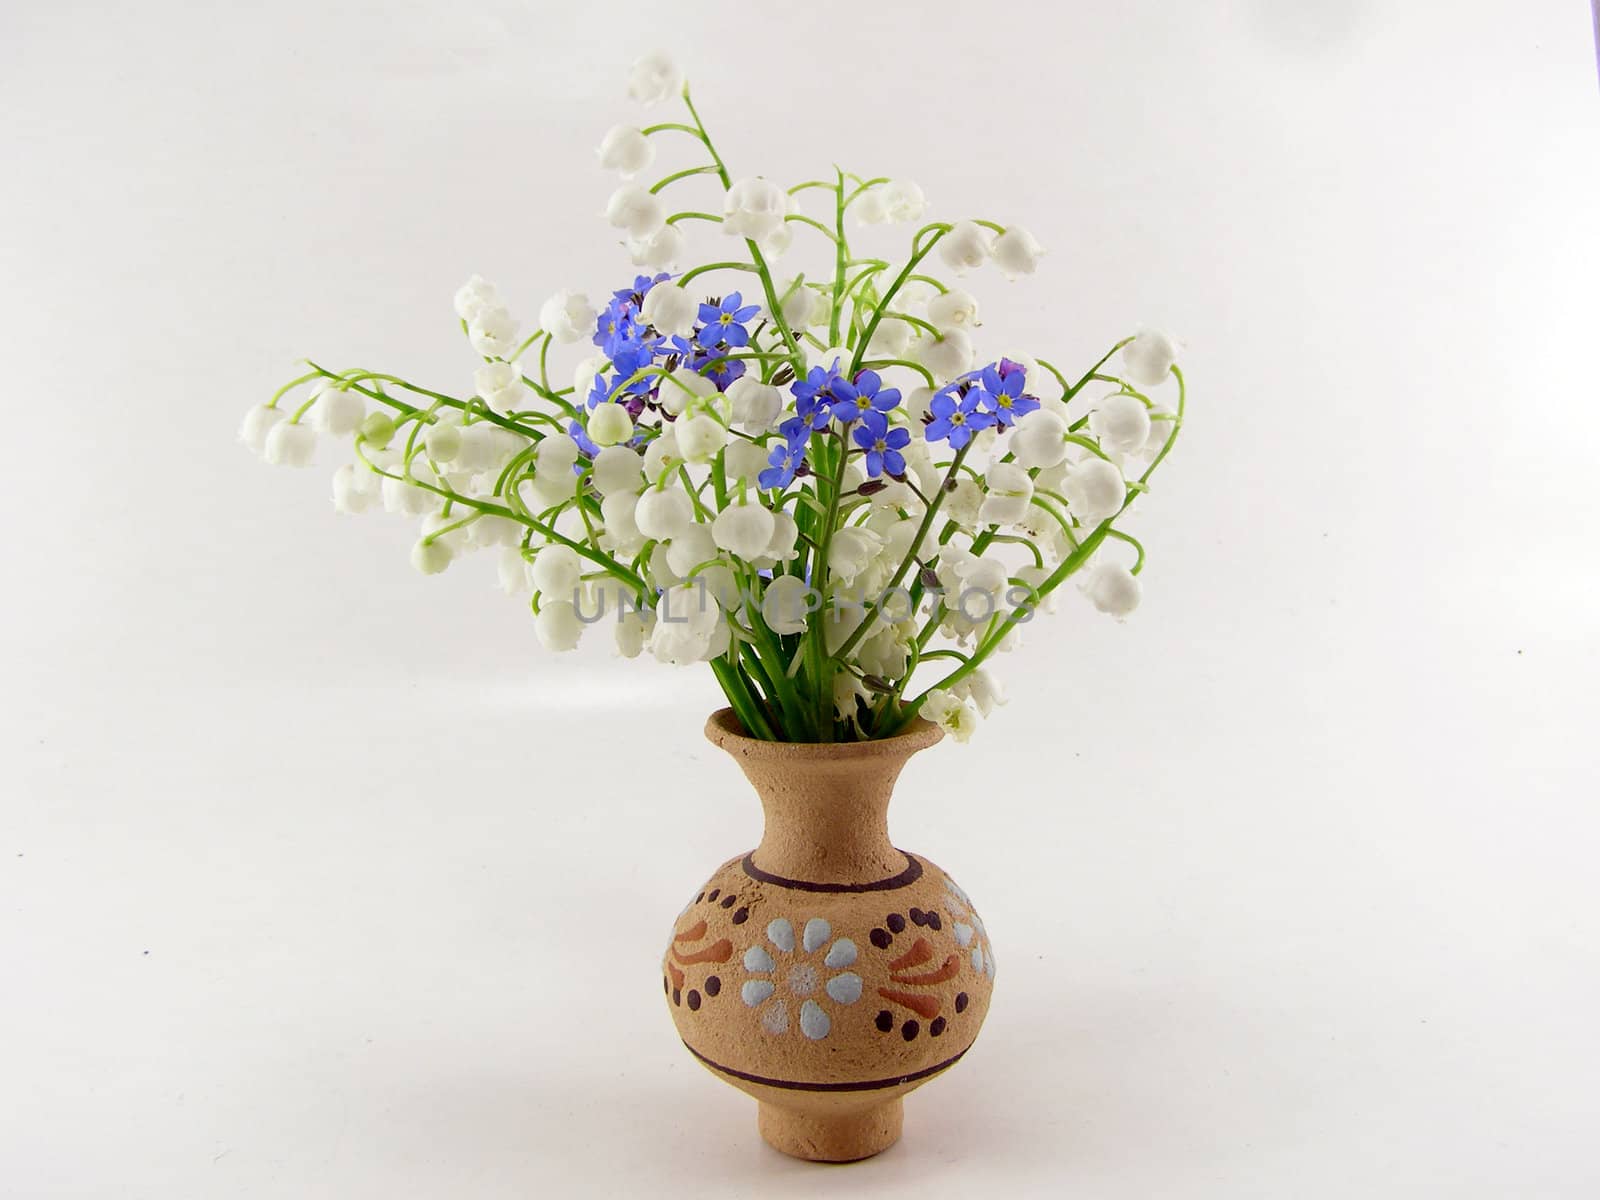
x: 610, y: 424
x: 955, y: 309
x: 663, y: 513
x: 377, y: 429
x: 617, y: 469
x: 948, y: 356
x: 1040, y: 439
x: 700, y: 437
x: 337, y: 411
x: 556, y: 571
x: 433, y: 557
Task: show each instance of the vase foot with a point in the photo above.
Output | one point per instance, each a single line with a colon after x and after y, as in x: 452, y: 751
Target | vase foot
x: 842, y: 1137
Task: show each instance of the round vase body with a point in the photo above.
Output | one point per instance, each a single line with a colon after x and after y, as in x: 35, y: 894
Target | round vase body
x: 827, y: 973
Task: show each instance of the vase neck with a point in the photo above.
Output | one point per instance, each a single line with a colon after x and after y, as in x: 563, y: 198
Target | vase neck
x: 826, y: 806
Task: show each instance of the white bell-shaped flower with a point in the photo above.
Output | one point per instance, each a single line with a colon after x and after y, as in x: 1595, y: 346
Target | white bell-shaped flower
x: 654, y: 78
x: 784, y: 545
x: 556, y: 571
x: 501, y: 386
x: 663, y: 513
x: 475, y: 295
x: 683, y: 388
x: 610, y: 424
x: 442, y: 441
x: 631, y: 630
x: 686, y: 621
x: 955, y: 309
x: 848, y: 691
x: 513, y: 571
x: 889, y: 339
x: 744, y: 530
x: 1149, y: 358
x: 636, y: 210
x: 406, y: 499
x: 700, y: 437
x: 754, y: 208
x: 1009, y: 495
x: 744, y: 460
x: 963, y: 502
x: 756, y: 405
x: 671, y: 309
x: 661, y: 250
x: 557, y: 626
x: 290, y: 444
x: 433, y: 557
x: 1121, y: 422
x: 798, y: 304
x: 557, y: 455
x: 903, y: 201
x: 692, y: 548
x: 621, y: 535
x: 1112, y: 589
x: 871, y: 207
x: 257, y: 424
x: 661, y: 456
x: 567, y: 316
x: 852, y: 551
x: 493, y: 332
x: 1017, y: 252
x: 584, y: 375
x: 966, y: 247
x: 1040, y: 439
x: 491, y: 530
x: 617, y: 469
x: 626, y: 150
x: 957, y: 717
x: 1095, y: 490
x: 786, y: 603
x: 355, y: 488
x: 338, y: 411
x: 983, y: 689
x: 947, y: 356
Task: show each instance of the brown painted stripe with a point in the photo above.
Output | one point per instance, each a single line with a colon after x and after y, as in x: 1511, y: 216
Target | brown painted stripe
x: 719, y: 951
x: 951, y: 968
x: 872, y: 1085
x: 926, y: 1007
x: 910, y: 875
x: 692, y: 934
x: 919, y: 953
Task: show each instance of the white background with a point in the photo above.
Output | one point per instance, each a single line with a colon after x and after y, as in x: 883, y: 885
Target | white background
x: 317, y: 879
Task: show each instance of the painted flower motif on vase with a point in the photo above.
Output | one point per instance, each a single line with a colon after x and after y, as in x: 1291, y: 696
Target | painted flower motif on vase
x: 791, y: 975
x: 968, y: 928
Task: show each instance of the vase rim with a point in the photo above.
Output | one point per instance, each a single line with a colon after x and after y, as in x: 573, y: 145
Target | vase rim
x: 724, y: 730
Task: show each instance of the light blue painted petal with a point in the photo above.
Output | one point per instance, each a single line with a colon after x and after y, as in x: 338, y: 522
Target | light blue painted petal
x: 842, y: 954
x: 846, y: 988
x: 757, y: 959
x: 977, y: 958
x: 781, y: 935
x: 755, y: 991
x: 776, y: 1018
x: 814, y: 1023
x: 963, y: 934
x: 817, y: 931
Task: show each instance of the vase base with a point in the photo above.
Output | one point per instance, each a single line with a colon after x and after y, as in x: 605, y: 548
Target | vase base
x: 845, y: 1137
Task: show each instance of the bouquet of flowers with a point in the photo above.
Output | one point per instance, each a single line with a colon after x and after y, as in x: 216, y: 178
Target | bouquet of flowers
x: 808, y: 480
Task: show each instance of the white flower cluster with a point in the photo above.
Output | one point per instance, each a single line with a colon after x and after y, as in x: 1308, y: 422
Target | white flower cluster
x: 825, y: 493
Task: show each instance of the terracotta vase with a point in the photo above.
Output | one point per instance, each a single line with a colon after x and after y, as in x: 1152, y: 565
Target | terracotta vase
x: 827, y: 973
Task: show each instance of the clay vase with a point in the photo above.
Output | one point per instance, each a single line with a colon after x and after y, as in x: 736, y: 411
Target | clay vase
x: 827, y: 973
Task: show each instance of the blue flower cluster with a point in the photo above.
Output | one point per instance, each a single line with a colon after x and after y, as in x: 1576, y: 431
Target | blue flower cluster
x: 824, y: 396
x: 632, y: 346
x: 980, y: 399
